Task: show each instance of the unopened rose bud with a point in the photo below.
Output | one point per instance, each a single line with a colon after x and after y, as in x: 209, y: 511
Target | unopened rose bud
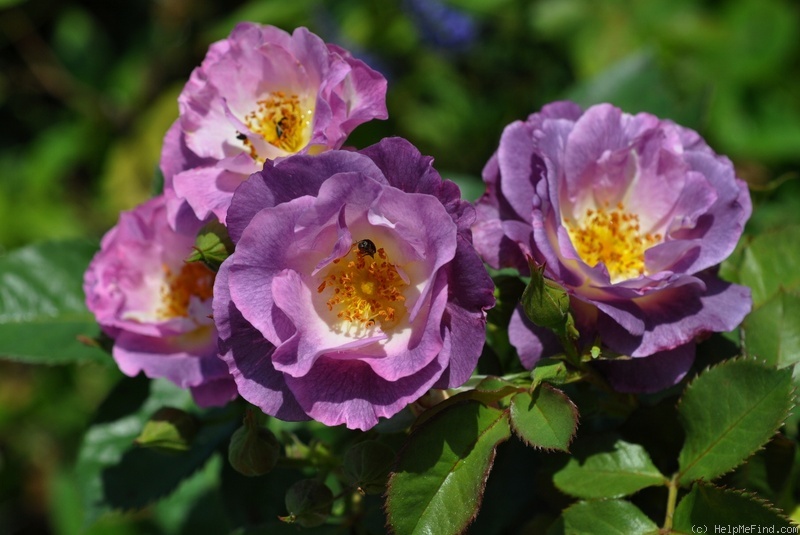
x: 253, y: 450
x: 309, y: 503
x: 547, y: 304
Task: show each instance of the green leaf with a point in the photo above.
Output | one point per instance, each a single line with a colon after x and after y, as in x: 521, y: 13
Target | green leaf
x: 728, y: 412
x: 441, y: 472
x: 496, y: 385
x: 113, y: 473
x: 546, y: 419
x: 168, y: 429
x: 489, y: 391
x: 638, y: 82
x: 252, y: 501
x: 609, y: 474
x: 276, y: 527
x: 42, y: 309
x: 707, y: 505
x: 771, y: 261
x: 212, y: 246
x: 554, y: 371
x: 144, y: 475
x: 772, y: 332
x: 770, y: 472
x: 607, y: 517
x: 309, y: 503
x: 366, y: 465
x: 118, y: 421
x: 196, y: 505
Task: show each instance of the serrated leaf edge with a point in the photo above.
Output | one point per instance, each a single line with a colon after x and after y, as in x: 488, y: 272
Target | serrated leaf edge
x: 575, y: 413
x: 792, y: 403
x: 749, y: 495
x: 504, y: 413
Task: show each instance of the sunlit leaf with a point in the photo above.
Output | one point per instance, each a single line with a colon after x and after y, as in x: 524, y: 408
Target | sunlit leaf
x: 547, y: 419
x: 42, y: 309
x: 607, y: 517
x: 490, y: 390
x: 771, y: 261
x: 772, y: 333
x: 728, y: 412
x: 609, y: 474
x: 437, y: 486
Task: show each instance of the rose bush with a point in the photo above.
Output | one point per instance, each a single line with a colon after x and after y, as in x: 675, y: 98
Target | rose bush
x: 353, y: 288
x: 155, y: 306
x: 258, y: 95
x: 630, y: 214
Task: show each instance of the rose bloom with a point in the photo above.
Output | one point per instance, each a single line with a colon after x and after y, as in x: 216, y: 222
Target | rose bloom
x: 354, y: 287
x: 157, y: 307
x: 259, y: 95
x: 628, y: 213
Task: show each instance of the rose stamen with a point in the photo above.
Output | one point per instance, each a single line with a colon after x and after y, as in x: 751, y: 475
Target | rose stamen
x: 194, y: 279
x: 282, y: 120
x: 364, y: 292
x: 614, y: 238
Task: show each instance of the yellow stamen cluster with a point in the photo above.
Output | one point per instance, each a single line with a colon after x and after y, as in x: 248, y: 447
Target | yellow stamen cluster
x: 364, y: 291
x: 614, y: 238
x: 194, y: 279
x: 281, y: 120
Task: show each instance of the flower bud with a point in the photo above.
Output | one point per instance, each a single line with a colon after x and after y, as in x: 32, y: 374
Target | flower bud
x: 309, y: 503
x: 168, y: 429
x: 253, y: 450
x: 547, y: 304
x: 366, y: 465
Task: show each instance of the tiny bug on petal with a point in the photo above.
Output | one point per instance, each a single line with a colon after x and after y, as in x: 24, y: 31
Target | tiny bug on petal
x: 366, y: 248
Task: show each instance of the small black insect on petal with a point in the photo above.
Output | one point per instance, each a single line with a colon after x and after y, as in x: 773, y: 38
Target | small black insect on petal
x: 367, y: 248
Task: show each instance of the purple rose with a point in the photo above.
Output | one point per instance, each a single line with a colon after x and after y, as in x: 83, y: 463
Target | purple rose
x: 259, y: 95
x: 157, y: 307
x: 630, y: 214
x: 354, y: 287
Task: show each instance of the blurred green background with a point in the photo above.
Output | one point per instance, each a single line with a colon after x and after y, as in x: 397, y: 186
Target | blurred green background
x: 88, y: 88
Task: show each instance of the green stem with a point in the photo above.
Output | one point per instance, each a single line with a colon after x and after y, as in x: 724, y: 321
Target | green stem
x: 573, y: 356
x: 672, y: 498
x: 475, y: 379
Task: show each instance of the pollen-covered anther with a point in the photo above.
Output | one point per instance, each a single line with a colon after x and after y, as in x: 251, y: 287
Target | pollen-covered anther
x: 194, y: 279
x: 281, y: 120
x: 363, y: 292
x: 614, y: 238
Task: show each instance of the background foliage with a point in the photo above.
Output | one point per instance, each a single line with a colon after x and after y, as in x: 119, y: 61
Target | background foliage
x: 88, y: 88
